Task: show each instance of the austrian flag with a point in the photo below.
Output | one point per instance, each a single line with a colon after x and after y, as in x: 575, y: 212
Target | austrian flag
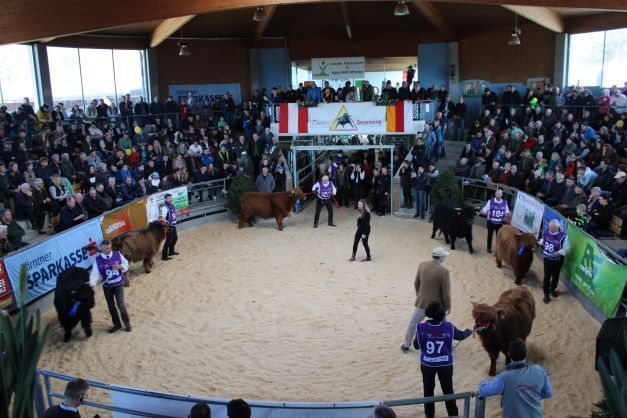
x: 293, y: 119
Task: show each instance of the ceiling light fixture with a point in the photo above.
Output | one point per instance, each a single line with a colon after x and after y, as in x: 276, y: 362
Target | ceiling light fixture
x: 184, y: 47
x: 260, y: 15
x: 514, y: 39
x: 401, y: 9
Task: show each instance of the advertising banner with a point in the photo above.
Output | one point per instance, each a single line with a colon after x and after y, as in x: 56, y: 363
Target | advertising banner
x: 179, y: 200
x: 598, y: 278
x: 128, y: 218
x: 7, y: 300
x: 180, y: 408
x: 344, y: 67
x: 75, y: 247
x: 346, y: 119
x: 549, y: 215
x: 527, y: 215
x: 202, y: 92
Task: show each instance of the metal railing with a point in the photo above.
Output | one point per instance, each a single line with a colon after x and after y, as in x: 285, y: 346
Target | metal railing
x: 49, y: 394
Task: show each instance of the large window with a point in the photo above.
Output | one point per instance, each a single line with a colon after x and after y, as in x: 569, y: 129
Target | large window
x: 79, y: 75
x: 17, y: 76
x: 598, y: 58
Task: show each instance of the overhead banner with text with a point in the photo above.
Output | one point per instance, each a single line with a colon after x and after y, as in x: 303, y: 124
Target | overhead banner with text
x: 202, y: 92
x: 45, y: 261
x: 345, y: 119
x: 343, y: 67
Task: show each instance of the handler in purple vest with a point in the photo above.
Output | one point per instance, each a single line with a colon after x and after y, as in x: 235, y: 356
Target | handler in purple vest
x: 495, y: 210
x: 325, y: 191
x: 555, y: 245
x: 110, y: 267
x: 434, y: 338
x: 168, y: 214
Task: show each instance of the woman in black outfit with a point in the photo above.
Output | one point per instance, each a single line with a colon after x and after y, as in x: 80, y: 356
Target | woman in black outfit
x: 363, y: 229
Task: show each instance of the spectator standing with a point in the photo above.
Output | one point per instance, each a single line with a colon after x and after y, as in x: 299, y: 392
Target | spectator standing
x: 238, y: 408
x: 200, y: 410
x: 496, y: 211
x: 419, y: 180
x: 522, y: 386
x: 110, y: 267
x: 434, y: 339
x: 265, y: 183
x: 406, y: 175
x: 432, y: 284
x: 74, y: 395
x: 357, y: 179
x: 363, y: 230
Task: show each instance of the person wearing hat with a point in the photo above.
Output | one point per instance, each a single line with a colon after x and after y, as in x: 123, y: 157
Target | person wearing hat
x: 432, y: 284
x: 434, y: 339
x: 168, y: 214
x: 389, y: 92
x: 618, y: 190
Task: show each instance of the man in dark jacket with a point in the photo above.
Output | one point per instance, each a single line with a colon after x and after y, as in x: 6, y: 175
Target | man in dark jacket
x: 74, y: 396
x: 600, y: 216
x: 24, y: 207
x: 15, y: 232
x: 93, y: 205
x: 70, y: 215
x: 383, y: 191
x: 488, y: 100
x: 406, y: 182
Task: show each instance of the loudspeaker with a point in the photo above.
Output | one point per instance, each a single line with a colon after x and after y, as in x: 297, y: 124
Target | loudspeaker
x: 611, y: 337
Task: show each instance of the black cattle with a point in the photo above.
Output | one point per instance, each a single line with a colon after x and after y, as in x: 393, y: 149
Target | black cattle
x: 73, y: 300
x: 454, y: 223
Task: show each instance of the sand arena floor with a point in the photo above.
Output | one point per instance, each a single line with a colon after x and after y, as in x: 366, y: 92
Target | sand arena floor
x: 283, y: 316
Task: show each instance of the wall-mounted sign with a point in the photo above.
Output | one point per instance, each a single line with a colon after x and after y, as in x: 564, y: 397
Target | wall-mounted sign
x: 344, y: 67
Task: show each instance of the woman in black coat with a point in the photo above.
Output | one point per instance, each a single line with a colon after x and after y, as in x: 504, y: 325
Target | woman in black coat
x: 363, y: 229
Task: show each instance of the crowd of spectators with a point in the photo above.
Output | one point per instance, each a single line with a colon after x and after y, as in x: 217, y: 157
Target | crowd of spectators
x: 75, y: 165
x: 567, y: 150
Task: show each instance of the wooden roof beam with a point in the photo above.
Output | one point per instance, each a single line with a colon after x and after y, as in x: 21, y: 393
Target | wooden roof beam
x: 541, y: 15
x: 167, y: 28
x: 261, y: 27
x: 437, y: 19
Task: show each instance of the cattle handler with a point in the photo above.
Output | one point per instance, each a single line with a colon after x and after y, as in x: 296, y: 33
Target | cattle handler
x: 325, y: 191
x: 168, y: 214
x: 110, y: 266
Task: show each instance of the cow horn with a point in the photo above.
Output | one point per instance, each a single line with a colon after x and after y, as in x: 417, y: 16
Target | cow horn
x: 473, y: 303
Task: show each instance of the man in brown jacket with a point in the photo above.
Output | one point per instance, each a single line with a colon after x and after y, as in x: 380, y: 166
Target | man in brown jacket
x: 432, y: 285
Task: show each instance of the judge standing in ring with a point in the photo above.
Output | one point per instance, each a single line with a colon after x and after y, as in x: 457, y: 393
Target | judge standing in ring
x: 110, y: 267
x: 168, y: 214
x: 325, y: 191
x: 363, y: 230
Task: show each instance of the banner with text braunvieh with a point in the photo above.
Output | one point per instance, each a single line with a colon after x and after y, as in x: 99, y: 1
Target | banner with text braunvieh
x: 202, y: 92
x: 128, y: 218
x: 343, y: 67
x: 155, y: 201
x: 45, y: 261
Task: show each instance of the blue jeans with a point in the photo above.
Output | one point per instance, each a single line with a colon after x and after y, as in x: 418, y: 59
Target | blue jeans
x: 458, y: 132
x: 420, y: 202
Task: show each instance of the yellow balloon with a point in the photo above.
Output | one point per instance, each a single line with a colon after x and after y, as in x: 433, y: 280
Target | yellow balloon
x: 127, y: 152
x: 138, y: 130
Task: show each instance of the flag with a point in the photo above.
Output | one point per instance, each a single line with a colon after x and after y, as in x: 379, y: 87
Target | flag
x: 399, y: 117
x: 293, y: 119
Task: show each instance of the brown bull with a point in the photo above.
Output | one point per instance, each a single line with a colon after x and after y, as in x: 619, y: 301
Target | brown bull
x: 141, y: 245
x: 512, y: 316
x: 267, y: 205
x: 516, y: 249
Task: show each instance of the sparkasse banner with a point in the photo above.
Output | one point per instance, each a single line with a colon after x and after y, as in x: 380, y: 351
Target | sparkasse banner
x: 47, y: 260
x: 343, y: 67
x: 202, y: 92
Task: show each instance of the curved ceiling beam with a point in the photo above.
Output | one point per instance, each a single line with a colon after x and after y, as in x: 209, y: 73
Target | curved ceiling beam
x: 543, y: 16
x: 167, y: 28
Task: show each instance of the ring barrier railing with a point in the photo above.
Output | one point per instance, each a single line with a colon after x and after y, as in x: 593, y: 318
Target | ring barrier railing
x: 46, y: 394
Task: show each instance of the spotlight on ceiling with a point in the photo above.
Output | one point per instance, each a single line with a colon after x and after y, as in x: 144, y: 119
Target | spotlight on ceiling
x: 514, y: 39
x: 184, y: 51
x: 260, y: 15
x: 401, y: 9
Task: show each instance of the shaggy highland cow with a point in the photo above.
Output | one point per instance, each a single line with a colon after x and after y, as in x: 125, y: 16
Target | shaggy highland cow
x: 73, y: 300
x: 267, y: 205
x: 516, y: 249
x: 141, y: 245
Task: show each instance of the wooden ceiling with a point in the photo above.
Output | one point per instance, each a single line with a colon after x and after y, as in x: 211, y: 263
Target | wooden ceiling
x: 36, y: 20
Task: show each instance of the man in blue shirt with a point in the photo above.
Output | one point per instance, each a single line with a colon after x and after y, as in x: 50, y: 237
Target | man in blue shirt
x: 521, y: 386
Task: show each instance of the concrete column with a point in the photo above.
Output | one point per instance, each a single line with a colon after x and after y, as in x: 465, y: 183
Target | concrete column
x: 560, y: 71
x: 42, y: 74
x: 255, y: 70
x: 153, y: 76
x: 453, y: 69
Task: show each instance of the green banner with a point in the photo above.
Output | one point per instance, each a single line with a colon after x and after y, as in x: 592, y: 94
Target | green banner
x: 601, y: 280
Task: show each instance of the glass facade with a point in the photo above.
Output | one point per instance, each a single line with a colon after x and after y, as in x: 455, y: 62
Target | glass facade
x: 596, y: 59
x: 17, y: 76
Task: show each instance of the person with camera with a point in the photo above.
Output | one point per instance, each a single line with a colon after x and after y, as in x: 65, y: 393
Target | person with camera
x: 73, y: 397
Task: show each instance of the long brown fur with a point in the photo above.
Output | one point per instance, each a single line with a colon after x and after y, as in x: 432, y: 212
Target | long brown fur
x: 267, y: 205
x: 509, y: 241
x: 141, y: 245
x: 512, y: 316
